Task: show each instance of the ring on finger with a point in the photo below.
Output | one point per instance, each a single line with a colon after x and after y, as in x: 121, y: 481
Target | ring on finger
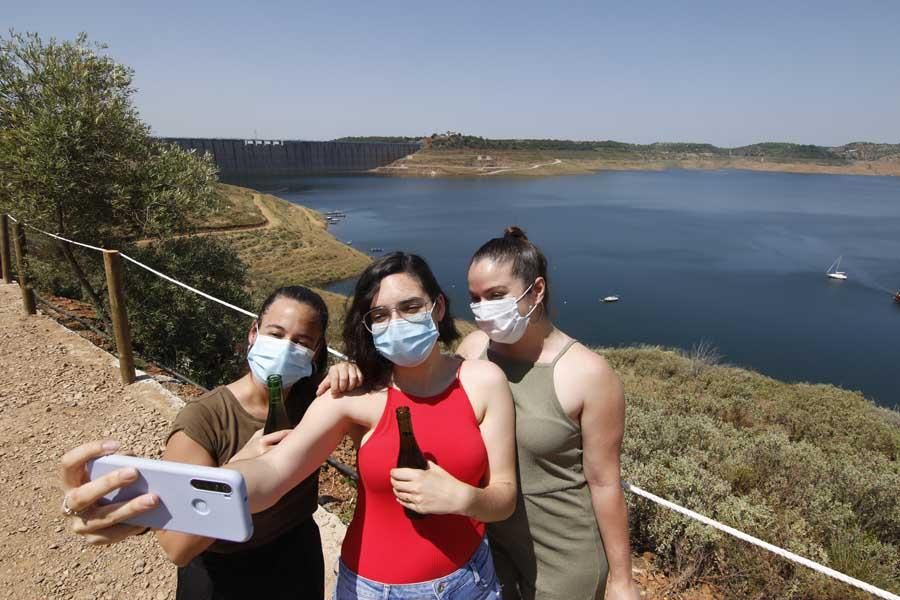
x: 66, y: 510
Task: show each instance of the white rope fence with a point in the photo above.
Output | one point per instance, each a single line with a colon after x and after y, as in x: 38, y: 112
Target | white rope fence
x: 189, y: 288
x: 62, y: 239
x: 243, y: 311
x: 867, y: 587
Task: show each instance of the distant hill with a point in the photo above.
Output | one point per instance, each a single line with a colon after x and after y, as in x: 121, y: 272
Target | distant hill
x: 662, y: 150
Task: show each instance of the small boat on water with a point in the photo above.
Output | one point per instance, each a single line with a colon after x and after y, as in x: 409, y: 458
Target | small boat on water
x: 833, y: 272
x: 610, y: 299
x: 897, y: 297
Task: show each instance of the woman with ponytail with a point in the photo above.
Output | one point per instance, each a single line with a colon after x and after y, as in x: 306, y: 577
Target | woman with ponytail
x: 569, y: 535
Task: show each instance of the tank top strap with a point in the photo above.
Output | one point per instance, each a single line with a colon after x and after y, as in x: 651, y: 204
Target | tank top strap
x: 565, y: 349
x: 391, y: 398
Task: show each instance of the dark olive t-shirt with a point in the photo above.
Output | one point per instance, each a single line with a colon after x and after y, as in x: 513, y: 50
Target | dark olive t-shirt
x: 219, y: 423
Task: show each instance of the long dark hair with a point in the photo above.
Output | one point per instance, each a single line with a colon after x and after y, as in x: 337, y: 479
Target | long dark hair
x: 303, y: 392
x: 527, y: 260
x: 358, y: 342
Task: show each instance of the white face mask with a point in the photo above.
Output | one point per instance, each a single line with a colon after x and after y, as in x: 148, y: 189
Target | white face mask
x: 500, y: 319
x: 270, y: 356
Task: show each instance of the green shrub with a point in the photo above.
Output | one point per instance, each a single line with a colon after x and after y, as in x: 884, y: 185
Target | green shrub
x: 179, y: 329
x: 810, y: 468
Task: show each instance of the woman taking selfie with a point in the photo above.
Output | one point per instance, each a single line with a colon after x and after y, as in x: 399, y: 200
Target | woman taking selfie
x: 283, y: 559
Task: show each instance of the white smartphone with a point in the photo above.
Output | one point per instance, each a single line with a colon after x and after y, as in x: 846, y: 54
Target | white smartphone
x: 206, y: 501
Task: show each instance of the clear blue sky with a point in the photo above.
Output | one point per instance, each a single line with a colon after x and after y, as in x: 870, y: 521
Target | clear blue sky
x: 726, y: 72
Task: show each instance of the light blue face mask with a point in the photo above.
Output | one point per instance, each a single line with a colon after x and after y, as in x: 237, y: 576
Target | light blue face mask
x: 277, y: 356
x: 406, y: 343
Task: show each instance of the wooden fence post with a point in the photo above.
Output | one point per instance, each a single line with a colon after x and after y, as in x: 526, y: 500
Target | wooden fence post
x: 4, y: 249
x: 112, y: 264
x: 22, y: 275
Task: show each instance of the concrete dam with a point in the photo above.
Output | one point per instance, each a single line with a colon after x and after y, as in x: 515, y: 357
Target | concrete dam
x: 245, y: 157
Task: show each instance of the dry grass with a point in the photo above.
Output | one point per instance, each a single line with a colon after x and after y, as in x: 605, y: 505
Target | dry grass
x: 237, y: 210
x: 296, y: 248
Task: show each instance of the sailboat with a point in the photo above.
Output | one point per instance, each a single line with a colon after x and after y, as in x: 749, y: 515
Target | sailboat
x: 833, y: 270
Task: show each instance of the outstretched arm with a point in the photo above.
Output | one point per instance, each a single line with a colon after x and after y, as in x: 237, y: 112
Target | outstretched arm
x: 272, y: 475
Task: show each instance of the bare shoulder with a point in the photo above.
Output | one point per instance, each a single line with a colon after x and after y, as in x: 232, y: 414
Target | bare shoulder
x: 480, y: 372
x: 588, y: 369
x: 487, y: 388
x: 473, y: 345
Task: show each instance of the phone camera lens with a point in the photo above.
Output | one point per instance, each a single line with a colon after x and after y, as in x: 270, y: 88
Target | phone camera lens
x: 211, y: 486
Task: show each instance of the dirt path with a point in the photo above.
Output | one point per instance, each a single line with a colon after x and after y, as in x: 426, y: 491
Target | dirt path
x: 531, y: 168
x: 56, y: 390
x: 483, y: 170
x: 271, y: 221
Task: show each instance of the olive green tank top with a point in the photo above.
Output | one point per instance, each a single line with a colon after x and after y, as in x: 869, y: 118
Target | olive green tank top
x: 548, y: 441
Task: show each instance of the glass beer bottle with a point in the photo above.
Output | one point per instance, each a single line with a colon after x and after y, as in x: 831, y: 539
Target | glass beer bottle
x: 277, y: 419
x: 410, y: 456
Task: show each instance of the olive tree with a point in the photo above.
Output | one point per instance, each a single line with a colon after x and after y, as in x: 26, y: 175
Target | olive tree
x: 76, y: 158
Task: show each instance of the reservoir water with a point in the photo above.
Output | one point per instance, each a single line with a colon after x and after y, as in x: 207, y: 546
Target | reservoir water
x: 733, y: 258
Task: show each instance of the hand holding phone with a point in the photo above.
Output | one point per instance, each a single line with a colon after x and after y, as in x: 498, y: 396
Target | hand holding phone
x: 106, y: 524
x: 206, y: 501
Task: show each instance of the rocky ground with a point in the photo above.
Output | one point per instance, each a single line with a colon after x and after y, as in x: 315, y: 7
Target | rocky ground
x: 58, y: 389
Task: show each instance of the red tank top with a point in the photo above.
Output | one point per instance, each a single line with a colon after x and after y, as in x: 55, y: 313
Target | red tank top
x: 384, y: 545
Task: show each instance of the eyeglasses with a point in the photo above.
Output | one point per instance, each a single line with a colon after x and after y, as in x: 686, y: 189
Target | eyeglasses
x: 413, y: 311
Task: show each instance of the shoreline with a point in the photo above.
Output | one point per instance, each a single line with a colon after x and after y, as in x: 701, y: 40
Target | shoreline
x: 467, y: 164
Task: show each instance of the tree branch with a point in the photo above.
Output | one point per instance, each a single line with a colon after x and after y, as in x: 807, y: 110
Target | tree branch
x: 85, y: 283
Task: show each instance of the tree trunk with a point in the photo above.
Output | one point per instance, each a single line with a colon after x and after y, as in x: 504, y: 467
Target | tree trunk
x: 85, y: 284
x: 79, y: 272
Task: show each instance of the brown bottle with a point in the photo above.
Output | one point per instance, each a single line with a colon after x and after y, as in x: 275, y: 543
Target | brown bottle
x: 410, y: 456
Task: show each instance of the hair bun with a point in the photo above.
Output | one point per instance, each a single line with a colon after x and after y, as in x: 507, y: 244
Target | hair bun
x: 515, y: 232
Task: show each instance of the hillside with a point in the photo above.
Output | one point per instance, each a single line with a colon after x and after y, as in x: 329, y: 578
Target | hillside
x: 293, y: 247
x: 462, y: 155
x: 282, y: 244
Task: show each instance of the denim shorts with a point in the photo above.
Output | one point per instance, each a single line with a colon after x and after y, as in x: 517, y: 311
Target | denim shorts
x: 476, y: 580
